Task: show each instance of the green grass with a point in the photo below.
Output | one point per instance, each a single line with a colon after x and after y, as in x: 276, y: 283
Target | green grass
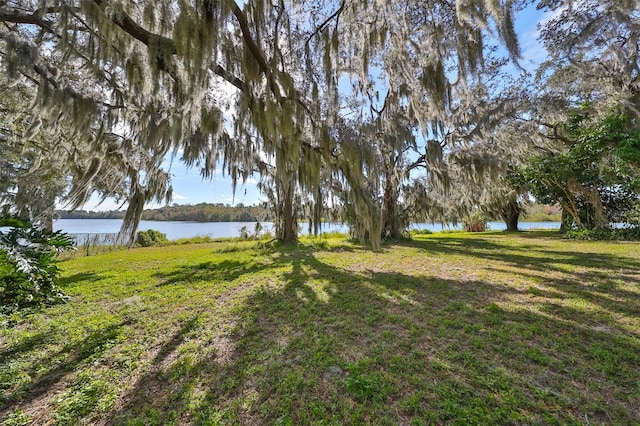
x: 488, y: 328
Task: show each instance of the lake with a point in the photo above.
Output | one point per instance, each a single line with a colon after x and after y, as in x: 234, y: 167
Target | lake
x: 177, y: 230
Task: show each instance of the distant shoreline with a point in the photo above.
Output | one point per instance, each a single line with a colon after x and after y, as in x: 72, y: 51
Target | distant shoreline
x: 552, y: 220
x: 207, y: 213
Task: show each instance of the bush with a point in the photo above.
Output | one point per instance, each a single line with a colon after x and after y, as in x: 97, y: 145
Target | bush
x: 475, y: 222
x: 28, y: 269
x: 150, y: 238
x: 245, y: 234
x: 420, y: 232
x: 616, y: 234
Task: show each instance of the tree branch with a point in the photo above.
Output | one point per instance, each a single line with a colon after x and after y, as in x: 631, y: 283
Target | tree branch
x: 146, y: 37
x: 325, y: 23
x: 31, y: 19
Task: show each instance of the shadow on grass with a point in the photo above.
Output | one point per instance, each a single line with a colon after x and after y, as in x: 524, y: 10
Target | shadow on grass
x: 46, y: 374
x: 593, y: 287
x: 79, y: 278
x: 226, y: 270
x: 537, y: 256
x: 151, y: 389
x: 594, y: 277
x: 335, y: 346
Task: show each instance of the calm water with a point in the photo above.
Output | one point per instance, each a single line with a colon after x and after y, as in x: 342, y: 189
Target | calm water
x: 176, y: 230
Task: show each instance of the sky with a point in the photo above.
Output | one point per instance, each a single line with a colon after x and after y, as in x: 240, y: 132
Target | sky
x: 190, y: 188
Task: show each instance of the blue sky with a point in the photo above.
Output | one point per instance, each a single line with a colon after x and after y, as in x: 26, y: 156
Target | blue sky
x: 190, y: 188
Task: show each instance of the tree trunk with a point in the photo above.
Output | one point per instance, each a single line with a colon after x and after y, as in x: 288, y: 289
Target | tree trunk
x: 510, y: 215
x: 289, y: 222
x: 563, y: 223
x: 592, y: 195
x: 390, y: 220
x: 47, y: 220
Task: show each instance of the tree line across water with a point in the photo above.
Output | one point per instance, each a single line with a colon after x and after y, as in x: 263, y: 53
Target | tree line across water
x: 203, y: 212
x: 218, y: 212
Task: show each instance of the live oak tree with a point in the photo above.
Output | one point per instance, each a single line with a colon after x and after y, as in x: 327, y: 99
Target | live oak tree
x: 252, y: 88
x: 592, y: 57
x: 474, y: 157
x: 425, y: 75
x: 593, y: 49
x: 595, y: 175
x: 40, y: 163
x: 30, y: 177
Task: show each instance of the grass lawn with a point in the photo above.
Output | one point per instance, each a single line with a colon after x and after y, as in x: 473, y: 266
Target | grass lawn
x: 457, y: 328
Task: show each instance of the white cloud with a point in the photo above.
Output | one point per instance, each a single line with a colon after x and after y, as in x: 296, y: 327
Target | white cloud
x: 533, y: 51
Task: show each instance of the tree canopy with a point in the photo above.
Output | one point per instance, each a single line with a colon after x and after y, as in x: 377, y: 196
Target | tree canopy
x: 333, y: 103
x: 595, y: 175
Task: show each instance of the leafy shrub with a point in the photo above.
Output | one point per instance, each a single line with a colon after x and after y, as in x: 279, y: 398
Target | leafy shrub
x: 266, y: 236
x: 631, y: 233
x: 475, y: 222
x: 150, y: 238
x: 244, y: 233
x: 28, y: 269
x: 421, y: 232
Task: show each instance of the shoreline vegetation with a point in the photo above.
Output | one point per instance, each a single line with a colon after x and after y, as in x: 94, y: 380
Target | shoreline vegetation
x: 203, y: 212
x: 447, y: 328
x: 207, y: 212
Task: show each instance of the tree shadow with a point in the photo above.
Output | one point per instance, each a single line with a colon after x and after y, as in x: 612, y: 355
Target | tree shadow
x: 226, y: 270
x: 598, y: 288
x: 536, y: 256
x: 593, y: 277
x: 154, y: 388
x: 78, y: 278
x: 39, y: 339
x: 323, y: 343
x: 47, y: 374
x: 349, y: 347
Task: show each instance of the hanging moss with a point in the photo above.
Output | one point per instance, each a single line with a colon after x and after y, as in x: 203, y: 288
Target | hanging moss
x: 151, y: 73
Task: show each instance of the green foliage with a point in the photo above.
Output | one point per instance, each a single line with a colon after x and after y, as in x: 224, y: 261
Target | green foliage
x: 203, y: 212
x: 595, y: 177
x: 245, y: 234
x: 616, y: 234
x: 28, y: 269
x: 17, y: 418
x: 543, y: 213
x: 150, y: 238
x: 475, y: 222
x: 420, y: 232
